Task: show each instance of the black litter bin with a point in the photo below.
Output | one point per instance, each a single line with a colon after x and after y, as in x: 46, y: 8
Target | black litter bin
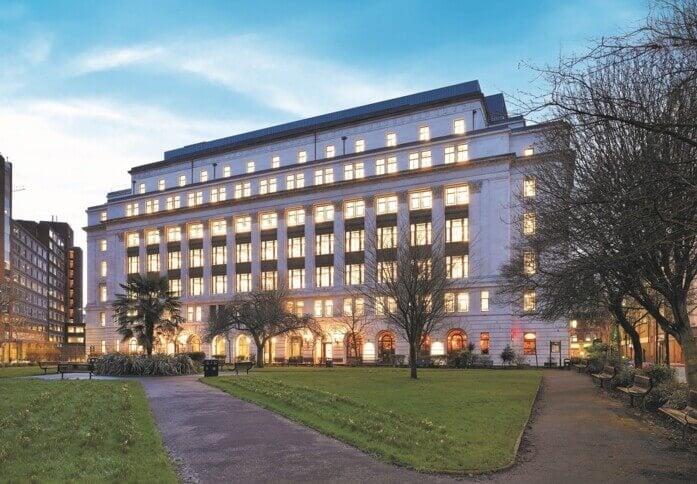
x: 328, y: 363
x: 210, y: 367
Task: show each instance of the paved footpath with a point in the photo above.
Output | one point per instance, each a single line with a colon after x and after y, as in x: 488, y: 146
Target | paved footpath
x: 576, y: 435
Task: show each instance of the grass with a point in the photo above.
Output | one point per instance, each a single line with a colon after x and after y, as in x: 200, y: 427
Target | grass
x: 446, y: 421
x: 14, y: 371
x: 79, y: 431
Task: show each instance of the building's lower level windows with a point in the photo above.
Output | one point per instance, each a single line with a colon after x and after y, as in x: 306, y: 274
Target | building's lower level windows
x: 194, y: 314
x: 196, y: 286
x: 354, y: 306
x: 219, y: 284
x: 296, y: 307
x: 296, y: 279
x: 175, y: 287
x: 244, y: 282
x: 529, y: 344
x: 153, y: 262
x: 174, y: 260
x: 484, y: 343
x: 457, y: 266
x: 324, y: 276
x: 102, y: 293
x: 529, y: 301
x: 457, y: 230
x: 102, y: 318
x: 269, y: 280
x: 353, y: 274
x: 457, y: 302
x: 324, y: 308
x: 296, y: 247
x: 103, y: 346
x: 484, y: 301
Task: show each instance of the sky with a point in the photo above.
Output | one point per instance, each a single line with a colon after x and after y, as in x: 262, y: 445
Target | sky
x: 90, y: 89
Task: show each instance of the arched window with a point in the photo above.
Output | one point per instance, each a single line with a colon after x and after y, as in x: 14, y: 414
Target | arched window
x: 296, y: 346
x: 457, y: 340
x: 132, y: 345
x: 386, y: 343
x: 218, y: 346
x: 194, y: 343
x: 354, y: 345
x: 242, y: 347
x: 425, y: 345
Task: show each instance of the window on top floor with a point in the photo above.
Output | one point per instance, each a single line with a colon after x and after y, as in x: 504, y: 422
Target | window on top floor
x: 324, y: 213
x: 226, y: 171
x: 243, y: 190
x: 459, y: 126
x: 295, y: 217
x: 302, y: 156
x: 141, y: 188
x: 102, y: 216
x: 182, y: 180
x: 324, y: 175
x: 354, y: 170
x: 329, y: 151
x: 354, y: 209
x: 267, y: 185
x: 243, y: 224
x: 529, y: 187
x: 203, y: 176
x: 424, y: 133
x: 296, y: 180
x: 275, y: 161
x: 268, y: 220
x: 387, y: 204
x: 529, y: 151
x: 383, y: 166
x: 457, y: 195
x: 420, y: 200
x: 391, y: 139
x: 359, y: 146
x: 161, y: 184
x: 132, y: 209
x: 250, y: 166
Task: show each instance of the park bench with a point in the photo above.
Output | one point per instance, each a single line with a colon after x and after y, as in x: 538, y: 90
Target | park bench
x: 607, y: 374
x: 687, y: 417
x: 279, y: 361
x: 243, y: 365
x: 581, y: 366
x: 64, y: 368
x: 47, y: 365
x: 640, y: 387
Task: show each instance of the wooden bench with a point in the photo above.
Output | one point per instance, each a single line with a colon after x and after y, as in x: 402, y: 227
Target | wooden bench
x: 640, y: 387
x: 687, y: 417
x: 607, y: 374
x: 581, y: 366
x: 64, y: 368
x: 46, y: 365
x: 243, y: 365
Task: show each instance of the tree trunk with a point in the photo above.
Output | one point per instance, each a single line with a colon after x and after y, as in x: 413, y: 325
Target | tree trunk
x: 412, y: 359
x: 260, y: 353
x: 628, y: 327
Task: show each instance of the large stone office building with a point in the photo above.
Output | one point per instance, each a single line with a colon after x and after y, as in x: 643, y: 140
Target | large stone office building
x: 298, y: 204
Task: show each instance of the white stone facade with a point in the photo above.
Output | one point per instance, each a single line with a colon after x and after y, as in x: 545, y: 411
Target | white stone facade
x: 495, y: 148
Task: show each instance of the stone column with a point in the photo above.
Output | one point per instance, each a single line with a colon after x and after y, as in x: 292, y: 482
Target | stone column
x: 309, y: 247
x: 403, y: 216
x: 282, y: 245
x: 230, y: 242
x: 438, y: 221
x: 339, y: 230
x: 370, y: 240
x: 163, y: 250
x: 256, y: 251
x: 184, y: 261
x: 142, y: 257
x: 478, y: 233
x: 207, y: 273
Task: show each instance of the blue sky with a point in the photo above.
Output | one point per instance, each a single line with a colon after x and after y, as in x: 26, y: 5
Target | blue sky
x: 90, y: 89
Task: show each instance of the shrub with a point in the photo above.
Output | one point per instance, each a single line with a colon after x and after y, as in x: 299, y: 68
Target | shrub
x: 669, y: 391
x: 508, y: 355
x: 623, y: 378
x: 119, y: 364
x: 197, y: 356
x: 660, y: 373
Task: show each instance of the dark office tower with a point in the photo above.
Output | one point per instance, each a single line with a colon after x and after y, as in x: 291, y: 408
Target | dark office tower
x: 6, y: 214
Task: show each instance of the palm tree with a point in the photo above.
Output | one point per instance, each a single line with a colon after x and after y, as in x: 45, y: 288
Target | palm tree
x: 146, y: 308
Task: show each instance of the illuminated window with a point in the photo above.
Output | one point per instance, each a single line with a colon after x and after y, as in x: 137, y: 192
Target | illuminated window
x: 243, y: 224
x: 295, y: 217
x: 182, y: 180
x: 387, y: 204
x: 354, y: 209
x: 218, y: 255
x: 449, y: 155
x: 382, y: 167
x: 457, y: 230
x: 102, y: 268
x: 459, y: 126
x: 226, y: 171
x: 386, y: 343
x: 421, y: 233
x: 296, y: 307
x: 133, y: 239
x: 102, y: 245
x: 294, y: 181
x: 267, y: 185
x: 529, y: 151
x: 385, y: 305
x: 173, y: 202
x: 296, y: 247
x: 195, y: 198
x: 268, y: 220
x: 529, y: 263
x: 275, y: 161
x: 218, y: 194
x: 354, y: 241
x: 218, y: 227
x: 420, y: 200
x: 243, y: 190
x: 175, y: 287
x: 360, y: 146
x: 194, y: 314
x: 250, y: 166
x: 324, y: 308
x: 196, y: 286
x: 353, y: 274
x: 152, y: 262
x: 457, y: 195
x: 391, y: 139
x: 174, y: 260
x: 161, y: 184
x: 324, y: 276
x: 141, y: 188
x: 243, y: 252
x: 302, y: 156
x: 324, y: 244
x: 269, y: 250
x: 296, y: 278
x: 152, y: 206
x: 529, y: 344
x: 424, y: 133
x: 528, y: 223
x: 102, y: 318
x: 529, y: 301
x: 457, y: 266
x: 152, y: 237
x: 529, y: 187
x: 354, y: 306
x: 174, y: 234
x: 244, y: 282
x: 196, y: 258
x: 419, y: 160
x: 323, y: 176
x: 195, y: 231
x: 386, y: 271
x: 133, y: 265
x: 457, y: 340
x: 387, y: 237
x: 102, y: 216
x: 329, y: 151
x: 203, y: 176
x: 484, y: 301
x: 354, y: 170
x: 484, y: 343
x: 132, y: 209
x: 269, y: 280
x: 324, y: 213
x: 102, y: 293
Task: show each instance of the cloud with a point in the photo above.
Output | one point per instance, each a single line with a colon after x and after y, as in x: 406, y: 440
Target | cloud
x: 37, y: 50
x: 275, y: 75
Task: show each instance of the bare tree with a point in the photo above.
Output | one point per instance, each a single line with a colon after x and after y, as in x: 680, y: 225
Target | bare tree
x: 13, y: 326
x: 354, y: 323
x: 407, y: 285
x: 264, y: 314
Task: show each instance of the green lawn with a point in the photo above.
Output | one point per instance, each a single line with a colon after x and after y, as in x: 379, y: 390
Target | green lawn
x: 13, y: 371
x: 446, y: 421
x: 79, y: 431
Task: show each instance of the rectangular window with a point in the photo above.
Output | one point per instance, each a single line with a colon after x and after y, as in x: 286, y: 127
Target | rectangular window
x: 329, y: 151
x: 152, y: 237
x: 102, y: 268
x: 529, y: 223
x: 323, y: 176
x: 354, y: 209
x: 195, y: 198
x: 359, y: 146
x: 449, y: 302
x: 424, y: 133
x: 484, y: 343
x: 383, y: 166
x: 457, y: 266
x: 133, y: 264
x: 267, y: 185
x: 529, y: 301
x: 387, y: 237
x: 141, y: 188
x: 218, y: 194
x: 296, y: 278
x: 302, y: 156
x: 449, y: 155
x: 269, y: 250
x: 421, y: 234
x: 386, y: 271
x: 353, y: 274
x: 102, y: 216
x: 324, y: 276
x: 196, y: 258
x: 243, y: 190
x: 457, y: 195
x: 174, y: 234
x: 268, y: 220
x: 203, y: 176
x: 175, y: 287
x: 102, y: 293
x: 243, y: 252
x: 463, y: 302
x: 161, y: 184
x: 102, y: 318
x: 529, y: 344
x: 182, y: 180
x: 275, y: 161
x: 250, y: 166
x: 295, y: 217
x: 218, y: 227
x: 420, y: 200
x: 324, y: 244
x: 194, y: 314
x: 462, y: 153
x: 529, y: 262
x: 354, y: 241
x: 387, y: 204
x: 269, y: 280
x: 385, y: 304
x: 152, y: 206
x: 133, y: 239
x: 294, y: 181
x: 243, y: 224
x: 195, y: 231
x: 218, y: 255
x: 244, y: 282
x: 152, y: 262
x: 529, y: 187
x: 174, y: 260
x: 354, y: 170
x: 173, y: 202
x: 457, y: 230
x: 226, y: 171
x: 102, y: 245
x: 324, y: 213
x: 391, y: 139
x: 529, y: 151
x: 196, y: 286
x: 296, y: 247
x: 324, y: 308
x: 484, y: 301
x: 354, y: 306
x: 132, y: 209
x: 459, y: 126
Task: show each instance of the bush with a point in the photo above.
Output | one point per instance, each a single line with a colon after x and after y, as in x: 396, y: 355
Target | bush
x: 508, y: 355
x: 660, y: 373
x: 662, y: 393
x: 197, y: 356
x: 623, y: 378
x: 119, y: 364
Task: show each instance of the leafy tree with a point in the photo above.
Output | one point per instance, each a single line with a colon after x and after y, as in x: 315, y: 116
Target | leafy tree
x: 146, y: 310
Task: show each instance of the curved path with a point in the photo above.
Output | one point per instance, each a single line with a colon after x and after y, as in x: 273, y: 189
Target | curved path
x: 576, y: 435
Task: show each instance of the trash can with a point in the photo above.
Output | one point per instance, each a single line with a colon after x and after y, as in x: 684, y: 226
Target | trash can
x: 210, y: 367
x: 328, y: 363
